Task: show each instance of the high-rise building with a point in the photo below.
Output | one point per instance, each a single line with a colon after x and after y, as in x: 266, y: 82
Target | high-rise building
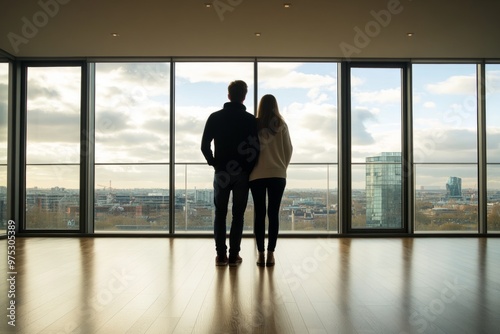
x: 454, y: 188
x: 383, y: 190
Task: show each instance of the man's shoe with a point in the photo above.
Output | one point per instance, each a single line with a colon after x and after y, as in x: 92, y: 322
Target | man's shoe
x: 261, y: 260
x: 234, y: 260
x: 270, y: 259
x: 221, y: 260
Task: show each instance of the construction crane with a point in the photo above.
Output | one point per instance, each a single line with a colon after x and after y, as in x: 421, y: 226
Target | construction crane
x: 104, y: 187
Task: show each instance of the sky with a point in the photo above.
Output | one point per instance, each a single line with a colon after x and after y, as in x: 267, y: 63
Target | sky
x: 133, y: 125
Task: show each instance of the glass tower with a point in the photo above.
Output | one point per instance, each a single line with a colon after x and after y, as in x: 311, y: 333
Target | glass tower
x: 454, y: 187
x: 383, y: 190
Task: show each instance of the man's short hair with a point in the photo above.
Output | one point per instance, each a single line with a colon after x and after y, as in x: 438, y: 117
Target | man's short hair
x: 237, y: 91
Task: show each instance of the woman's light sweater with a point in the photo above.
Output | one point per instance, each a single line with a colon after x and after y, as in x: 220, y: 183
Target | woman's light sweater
x: 275, y: 154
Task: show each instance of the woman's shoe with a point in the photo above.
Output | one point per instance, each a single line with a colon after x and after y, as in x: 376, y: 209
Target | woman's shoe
x: 261, y: 261
x: 270, y: 259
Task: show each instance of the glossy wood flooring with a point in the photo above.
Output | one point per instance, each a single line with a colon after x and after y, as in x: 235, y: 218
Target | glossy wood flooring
x: 162, y: 285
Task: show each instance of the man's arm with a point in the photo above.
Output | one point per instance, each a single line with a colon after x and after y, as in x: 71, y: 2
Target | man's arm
x: 206, y: 141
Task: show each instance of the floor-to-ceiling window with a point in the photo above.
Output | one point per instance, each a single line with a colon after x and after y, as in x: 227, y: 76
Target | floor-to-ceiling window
x: 493, y: 145
x: 53, y: 147
x: 445, y: 147
x: 376, y: 148
x: 201, y: 89
x: 132, y: 120
x: 307, y: 99
x: 132, y: 144
x: 4, y: 104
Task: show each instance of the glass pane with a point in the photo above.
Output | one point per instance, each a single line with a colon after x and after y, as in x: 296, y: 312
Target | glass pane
x: 53, y: 115
x: 53, y: 148
x: 52, y: 197
x: 4, y: 106
x: 131, y: 198
x: 493, y: 145
x: 194, y: 199
x: 376, y: 112
x: 310, y: 201
x: 446, y: 198
x: 376, y: 148
x: 201, y: 89
x: 307, y: 99
x: 493, y: 113
x: 132, y: 112
x: 444, y: 113
x: 493, y: 187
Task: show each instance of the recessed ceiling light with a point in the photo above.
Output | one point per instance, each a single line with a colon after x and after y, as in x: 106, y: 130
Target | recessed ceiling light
x: 208, y: 5
x: 257, y: 34
x: 115, y: 34
x: 409, y: 34
x: 287, y: 5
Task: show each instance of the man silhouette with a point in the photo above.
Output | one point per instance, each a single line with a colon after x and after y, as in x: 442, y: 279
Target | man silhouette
x: 234, y: 133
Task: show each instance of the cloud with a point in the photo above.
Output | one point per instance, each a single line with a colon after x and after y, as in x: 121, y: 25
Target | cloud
x: 456, y: 85
x: 493, y: 145
x: 447, y: 145
x: 214, y: 72
x: 383, y: 96
x: 57, y: 91
x: 492, y: 82
x: 189, y: 126
x: 293, y: 79
x: 313, y: 131
x: 52, y: 127
x: 4, y: 92
x: 3, y: 121
x: 359, y: 133
x: 56, y: 152
x: 109, y: 122
x: 132, y: 145
x: 357, y: 81
x: 429, y: 105
x: 132, y: 83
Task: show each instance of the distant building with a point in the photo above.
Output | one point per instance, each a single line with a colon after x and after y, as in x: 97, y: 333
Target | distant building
x: 454, y: 188
x: 383, y: 190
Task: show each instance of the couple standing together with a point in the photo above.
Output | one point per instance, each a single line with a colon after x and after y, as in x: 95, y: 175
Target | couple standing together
x: 250, y: 153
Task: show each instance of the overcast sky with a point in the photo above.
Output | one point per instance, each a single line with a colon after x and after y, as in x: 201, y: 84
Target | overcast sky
x: 133, y: 125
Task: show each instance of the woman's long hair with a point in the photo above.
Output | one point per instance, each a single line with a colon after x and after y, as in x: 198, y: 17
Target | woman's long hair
x: 268, y: 115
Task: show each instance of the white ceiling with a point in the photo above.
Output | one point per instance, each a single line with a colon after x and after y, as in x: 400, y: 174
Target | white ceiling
x: 310, y: 28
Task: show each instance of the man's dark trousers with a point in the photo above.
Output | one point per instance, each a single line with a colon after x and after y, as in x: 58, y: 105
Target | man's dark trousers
x: 224, y: 183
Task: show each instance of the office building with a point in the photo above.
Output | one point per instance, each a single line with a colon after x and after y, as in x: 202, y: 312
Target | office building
x: 383, y: 190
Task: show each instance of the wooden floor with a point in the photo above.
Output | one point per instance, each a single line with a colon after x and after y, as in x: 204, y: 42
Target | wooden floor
x: 329, y: 285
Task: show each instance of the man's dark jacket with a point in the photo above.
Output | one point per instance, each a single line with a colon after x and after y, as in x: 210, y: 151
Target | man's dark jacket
x: 236, y: 141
